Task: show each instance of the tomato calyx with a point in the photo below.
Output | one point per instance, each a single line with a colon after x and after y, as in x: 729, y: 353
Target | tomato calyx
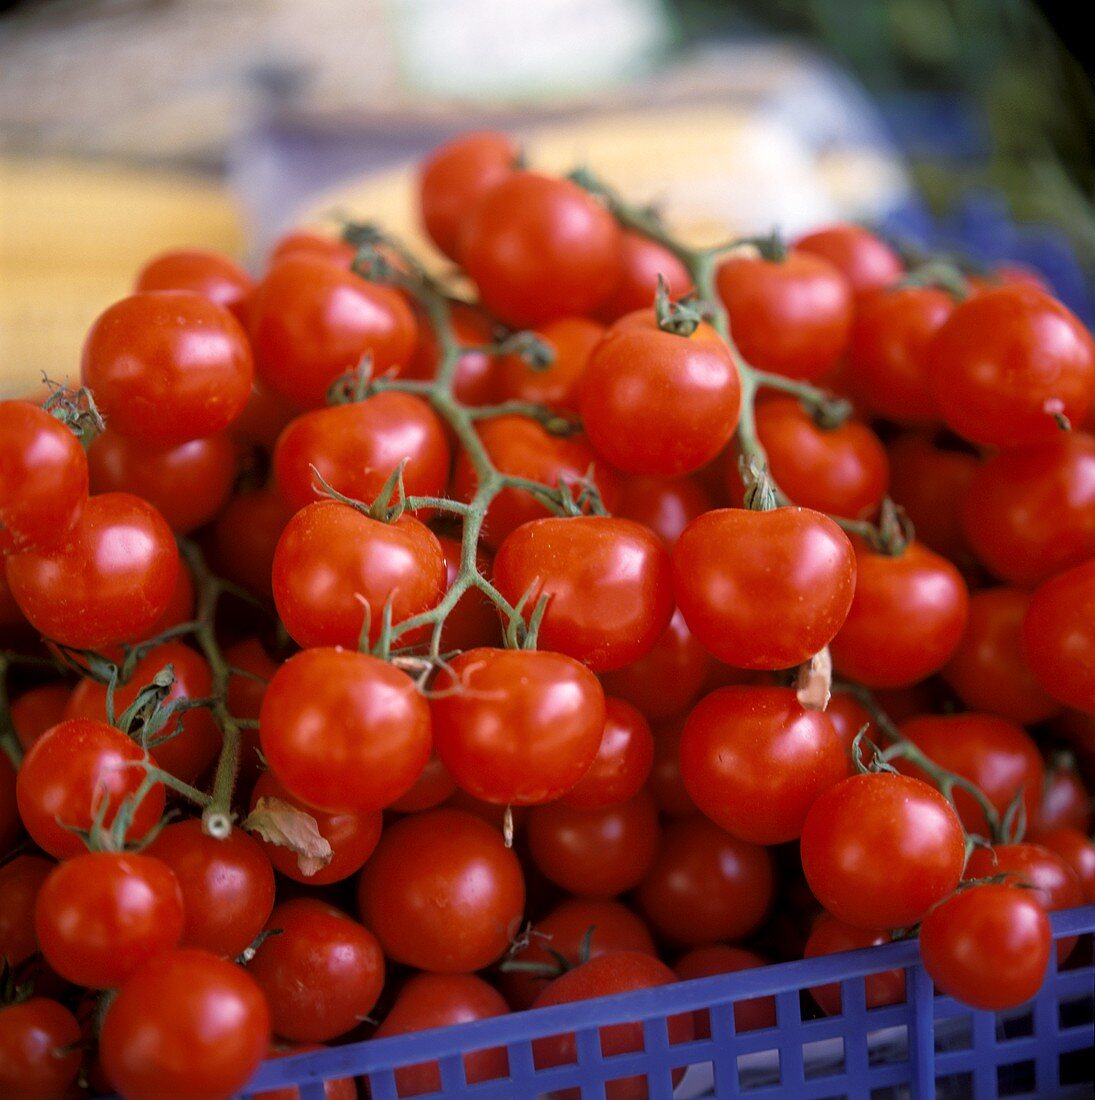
x: 680, y: 318
x: 76, y: 409
x: 940, y: 273
x: 559, y: 964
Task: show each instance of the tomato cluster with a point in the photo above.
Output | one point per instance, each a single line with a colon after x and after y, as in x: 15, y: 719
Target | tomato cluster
x: 480, y: 668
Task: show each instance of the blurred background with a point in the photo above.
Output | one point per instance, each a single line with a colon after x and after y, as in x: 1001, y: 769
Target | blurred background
x: 130, y: 126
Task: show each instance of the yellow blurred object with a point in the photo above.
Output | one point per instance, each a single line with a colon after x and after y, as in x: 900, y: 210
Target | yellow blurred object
x: 73, y: 235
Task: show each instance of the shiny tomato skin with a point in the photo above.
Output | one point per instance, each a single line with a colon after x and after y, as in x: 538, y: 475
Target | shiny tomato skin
x: 433, y: 787
x: 1065, y: 799
x: 356, y: 447
x: 245, y: 538
x: 312, y: 320
x: 516, y: 727
x: 606, y: 580
x: 1076, y: 849
x: 210, y: 274
x: 791, y: 317
x: 66, y: 773
x: 750, y: 1013
x: 39, y: 1053
x: 656, y: 402
x: 207, y: 1045
x: 917, y: 588
x: 866, y: 261
x: 572, y: 340
x: 227, y: 885
x: 442, y: 892
x: 667, y: 505
x: 641, y: 262
x: 108, y: 582
x: 622, y: 763
x: 987, y: 947
x: 167, y: 367
x: 101, y: 915
x: 878, y: 850
x: 333, y: 565
x: 829, y: 936
x: 1006, y: 361
x: 795, y: 564
x: 43, y: 478
x: 754, y: 760
x: 20, y: 881
x: 343, y: 731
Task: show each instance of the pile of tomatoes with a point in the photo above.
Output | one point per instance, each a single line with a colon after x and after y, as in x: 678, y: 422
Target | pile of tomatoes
x: 380, y: 665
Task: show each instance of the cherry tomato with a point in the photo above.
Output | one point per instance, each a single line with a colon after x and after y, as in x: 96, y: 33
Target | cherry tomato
x: 475, y: 379
x: 751, y: 1013
x: 657, y: 402
x: 20, y: 881
x: 764, y: 589
x: 343, y: 731
x: 622, y: 763
x: 830, y: 936
x: 433, y: 787
x: 43, y: 478
x: 642, y: 261
x: 442, y: 892
x: 606, y: 581
x: 848, y: 717
x: 101, y: 915
x: 69, y: 772
x: 571, y: 340
x: 227, y: 885
x: 754, y: 761
x: 878, y: 850
x: 706, y: 885
x: 335, y: 569
x: 916, y: 588
x: 792, y: 317
x: 1076, y: 849
x: 167, y: 367
x: 210, y: 274
x: 987, y: 946
x: 455, y: 176
x: 313, y: 243
x: 1007, y: 362
x: 355, y: 448
x: 312, y: 320
x: 1065, y: 800
x: 474, y: 621
x: 667, y: 505
x: 246, y: 535
x: 186, y: 1024
x: 866, y: 261
x: 263, y: 419
x: 39, y: 1055
x: 35, y: 711
x: 666, y: 784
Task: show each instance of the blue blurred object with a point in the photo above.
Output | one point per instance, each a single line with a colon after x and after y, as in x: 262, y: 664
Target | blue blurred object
x: 930, y: 1046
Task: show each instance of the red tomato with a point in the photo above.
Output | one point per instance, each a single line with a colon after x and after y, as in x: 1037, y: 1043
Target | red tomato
x: 20, y: 881
x: 916, y: 588
x: 642, y: 261
x: 1006, y: 362
x: 657, y: 402
x: 210, y: 274
x: 442, y: 892
x: 791, y: 317
x: 344, y: 731
x: 101, y: 915
x: 36, y: 710
x: 622, y: 763
x: 356, y: 447
x: 245, y: 694
x: 312, y: 320
x: 341, y: 1088
x: 167, y: 367
x: 474, y: 621
x: 997, y: 756
x: 246, y: 536
x: 848, y: 717
x: 430, y: 789
x: 606, y: 581
x: 321, y: 974
x: 262, y: 421
x: 764, y: 589
x: 667, y: 505
x: 335, y: 569
x: 987, y: 946
x: 572, y: 340
x: 1076, y: 849
x: 595, y: 853
x: 43, y: 478
x: 39, y: 1052
x: 878, y: 850
x: 312, y: 243
x: 830, y: 936
x: 474, y: 381
x: 706, y: 885
x: 750, y: 1014
x: 754, y: 761
x: 107, y: 583
x: 455, y: 176
x: 666, y: 784
x: 1065, y: 801
x: 866, y: 261
x: 66, y: 776
x: 186, y: 1024
x: 227, y: 885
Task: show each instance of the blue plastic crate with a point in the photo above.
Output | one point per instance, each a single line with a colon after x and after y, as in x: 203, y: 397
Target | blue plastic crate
x: 929, y: 1046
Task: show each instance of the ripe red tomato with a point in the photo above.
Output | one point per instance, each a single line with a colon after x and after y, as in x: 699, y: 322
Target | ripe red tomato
x: 667, y: 505
x: 764, y: 589
x: 108, y: 582
x: 751, y: 1013
x: 706, y: 885
x: 879, y: 850
x: 20, y: 881
x: 101, y: 915
x: 987, y: 946
x: 867, y: 262
x: 622, y: 763
x: 1006, y: 362
x: 167, y: 367
x: 666, y: 785
x: 227, y: 885
x: 433, y: 787
x: 311, y: 242
x: 37, y: 709
x: 356, y: 447
x: 1076, y: 849
x: 848, y: 717
x: 68, y: 773
x: 642, y: 261
x: 312, y: 320
x: 657, y: 402
x: 343, y: 731
x: 829, y: 936
x: 754, y: 761
x: 246, y: 535
x: 455, y: 176
x: 916, y: 588
x: 1065, y: 800
x: 210, y: 274
x: 606, y: 580
x: 186, y: 1024
x: 442, y: 892
x: 43, y: 478
x: 39, y: 1052
x: 539, y: 248
x: 792, y: 317
x: 334, y: 566
x: 572, y: 340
